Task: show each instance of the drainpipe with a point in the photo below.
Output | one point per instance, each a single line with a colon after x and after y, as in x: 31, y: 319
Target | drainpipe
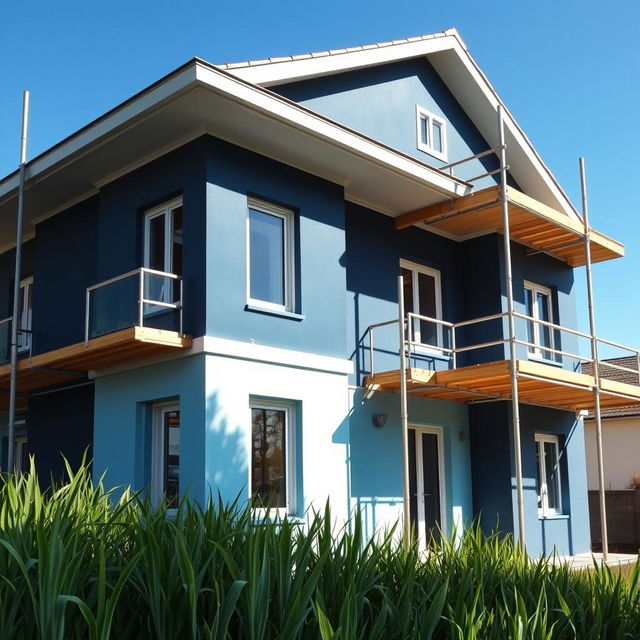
x: 404, y: 419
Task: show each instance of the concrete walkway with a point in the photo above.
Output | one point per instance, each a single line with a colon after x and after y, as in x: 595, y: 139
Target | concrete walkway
x: 587, y: 560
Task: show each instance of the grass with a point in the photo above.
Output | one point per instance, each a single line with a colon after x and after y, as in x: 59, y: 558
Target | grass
x: 75, y: 562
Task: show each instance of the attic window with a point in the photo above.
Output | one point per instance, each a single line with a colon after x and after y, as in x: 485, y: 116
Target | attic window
x: 432, y: 133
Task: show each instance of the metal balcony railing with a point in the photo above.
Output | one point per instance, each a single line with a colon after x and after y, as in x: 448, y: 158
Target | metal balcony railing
x: 546, y: 352
x: 24, y: 340
x: 142, y: 297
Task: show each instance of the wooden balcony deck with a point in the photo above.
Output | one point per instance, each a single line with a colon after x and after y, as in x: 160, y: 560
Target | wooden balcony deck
x: 531, y: 222
x: 538, y: 383
x: 74, y: 361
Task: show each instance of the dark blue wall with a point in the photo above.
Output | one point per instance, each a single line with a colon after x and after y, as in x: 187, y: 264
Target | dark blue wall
x: 64, y: 266
x: 60, y: 423
x: 233, y: 174
x: 120, y: 227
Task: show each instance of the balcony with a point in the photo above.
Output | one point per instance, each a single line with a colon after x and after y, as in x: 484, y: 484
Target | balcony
x: 548, y: 374
x: 130, y: 317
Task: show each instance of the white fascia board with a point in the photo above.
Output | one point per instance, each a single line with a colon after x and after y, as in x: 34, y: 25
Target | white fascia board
x: 98, y: 132
x: 272, y: 73
x: 340, y: 136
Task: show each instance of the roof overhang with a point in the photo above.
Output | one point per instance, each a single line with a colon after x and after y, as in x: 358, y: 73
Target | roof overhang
x: 199, y: 99
x: 449, y: 56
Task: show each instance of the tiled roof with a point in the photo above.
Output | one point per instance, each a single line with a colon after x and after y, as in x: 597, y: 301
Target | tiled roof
x: 619, y: 376
x: 335, y: 52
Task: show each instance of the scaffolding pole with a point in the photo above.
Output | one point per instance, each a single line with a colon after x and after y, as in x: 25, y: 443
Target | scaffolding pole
x: 515, y: 405
x: 404, y: 419
x: 594, y: 358
x: 16, y: 284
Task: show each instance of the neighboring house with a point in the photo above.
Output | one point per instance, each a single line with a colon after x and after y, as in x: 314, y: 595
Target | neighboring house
x: 620, y: 432
x: 202, y: 265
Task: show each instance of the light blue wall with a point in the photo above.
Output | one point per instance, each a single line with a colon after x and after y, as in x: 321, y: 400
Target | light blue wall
x: 376, y: 455
x: 233, y: 174
x: 122, y: 422
x: 381, y: 103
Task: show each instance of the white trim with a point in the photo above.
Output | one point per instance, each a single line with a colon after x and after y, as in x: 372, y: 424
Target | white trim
x: 210, y: 345
x: 257, y: 402
x: 537, y: 352
x: 543, y: 509
x: 439, y: 432
x: 415, y: 267
x: 25, y: 314
x: 427, y: 147
x: 158, y: 461
x: 19, y: 443
x: 287, y: 215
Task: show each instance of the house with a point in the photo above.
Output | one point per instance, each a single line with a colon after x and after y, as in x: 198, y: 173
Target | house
x: 210, y: 296
x: 620, y: 431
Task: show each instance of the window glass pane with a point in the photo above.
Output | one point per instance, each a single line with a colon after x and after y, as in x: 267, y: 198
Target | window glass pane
x: 24, y: 317
x: 266, y: 242
x: 437, y: 136
x: 538, y: 481
x: 427, y: 301
x: 176, y: 249
x: 424, y: 130
x: 551, y: 475
x: 172, y: 457
x: 544, y: 314
x: 268, y: 464
x: 156, y: 243
x: 528, y: 301
x: 407, y: 287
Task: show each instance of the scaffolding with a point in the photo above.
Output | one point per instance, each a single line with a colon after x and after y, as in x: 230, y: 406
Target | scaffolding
x: 542, y: 230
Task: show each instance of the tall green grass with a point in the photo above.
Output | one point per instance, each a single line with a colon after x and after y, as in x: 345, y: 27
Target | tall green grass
x: 75, y: 562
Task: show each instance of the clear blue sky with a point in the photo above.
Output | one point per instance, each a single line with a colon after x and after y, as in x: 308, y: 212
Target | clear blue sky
x: 568, y: 70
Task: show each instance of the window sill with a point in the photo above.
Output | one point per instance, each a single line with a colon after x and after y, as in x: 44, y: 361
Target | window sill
x: 553, y: 516
x: 552, y: 363
x: 274, y: 312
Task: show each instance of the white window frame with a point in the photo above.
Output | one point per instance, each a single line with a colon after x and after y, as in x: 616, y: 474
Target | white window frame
x: 423, y: 114
x: 439, y: 432
x: 166, y: 209
x: 543, y: 508
x: 19, y: 443
x: 158, y: 462
x: 291, y: 504
x: 415, y: 268
x: 25, y: 315
x: 537, y: 352
x: 289, y: 255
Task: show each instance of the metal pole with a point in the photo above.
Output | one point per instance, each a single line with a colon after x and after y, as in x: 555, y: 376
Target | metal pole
x: 16, y: 284
x: 515, y: 406
x: 404, y: 419
x: 594, y: 357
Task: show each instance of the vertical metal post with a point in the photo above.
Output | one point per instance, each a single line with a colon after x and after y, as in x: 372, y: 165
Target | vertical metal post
x: 515, y: 405
x: 87, y: 302
x: 404, y: 419
x: 594, y: 357
x: 181, y: 305
x: 141, y: 298
x: 13, y: 384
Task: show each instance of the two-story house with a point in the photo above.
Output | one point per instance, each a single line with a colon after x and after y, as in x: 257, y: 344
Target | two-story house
x: 203, y: 263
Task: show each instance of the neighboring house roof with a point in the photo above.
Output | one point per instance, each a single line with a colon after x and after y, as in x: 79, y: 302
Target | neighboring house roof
x: 449, y: 55
x: 630, y: 362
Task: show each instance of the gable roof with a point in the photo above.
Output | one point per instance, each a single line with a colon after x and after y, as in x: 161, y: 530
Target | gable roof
x: 450, y: 57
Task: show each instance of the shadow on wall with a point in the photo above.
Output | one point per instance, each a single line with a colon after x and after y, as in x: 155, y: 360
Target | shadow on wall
x: 226, y: 469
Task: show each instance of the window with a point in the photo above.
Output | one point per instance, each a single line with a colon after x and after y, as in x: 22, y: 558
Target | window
x: 25, y: 315
x: 20, y: 455
x: 432, y: 133
x: 163, y: 250
x: 165, y: 456
x: 422, y: 295
x: 538, y: 306
x: 272, y: 456
x: 270, y: 256
x: 548, y: 475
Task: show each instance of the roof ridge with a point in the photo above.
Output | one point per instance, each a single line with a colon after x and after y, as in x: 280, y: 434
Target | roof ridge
x: 335, y: 52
